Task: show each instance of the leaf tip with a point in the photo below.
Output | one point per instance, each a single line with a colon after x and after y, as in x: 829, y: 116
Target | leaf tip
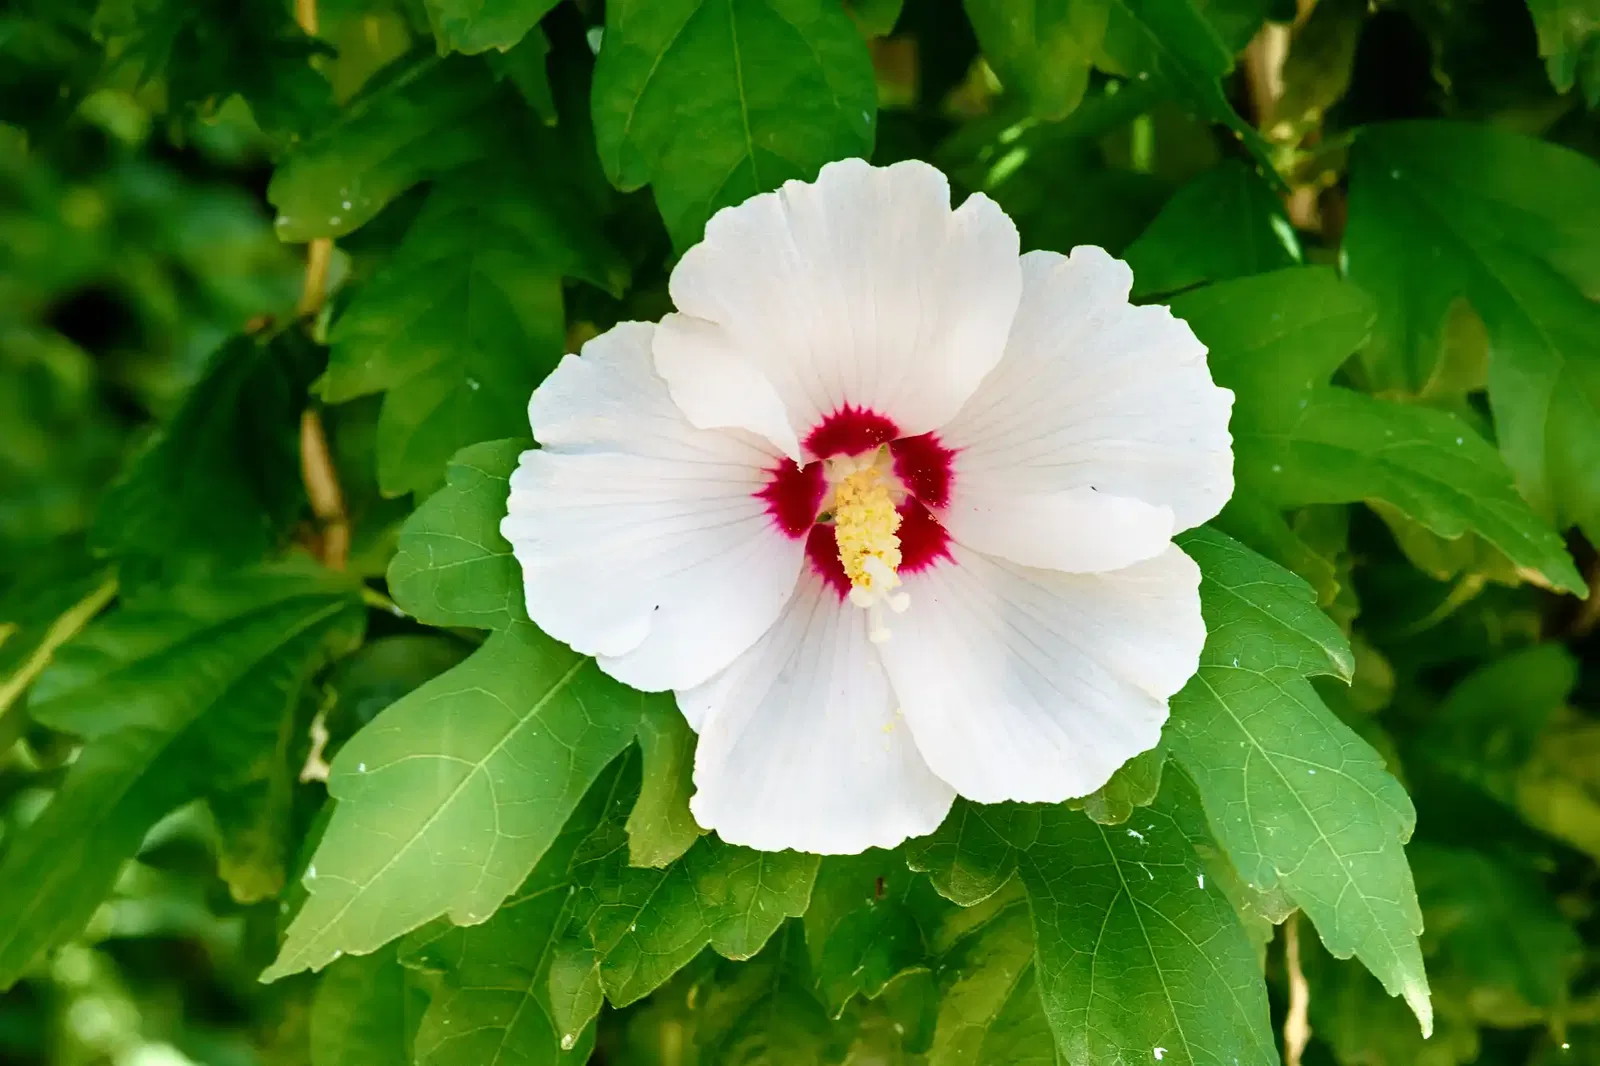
x: 1417, y: 998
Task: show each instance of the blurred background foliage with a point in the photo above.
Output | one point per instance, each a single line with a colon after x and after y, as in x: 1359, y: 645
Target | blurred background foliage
x: 137, y: 142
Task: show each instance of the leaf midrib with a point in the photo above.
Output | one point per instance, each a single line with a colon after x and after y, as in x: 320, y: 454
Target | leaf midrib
x: 296, y: 962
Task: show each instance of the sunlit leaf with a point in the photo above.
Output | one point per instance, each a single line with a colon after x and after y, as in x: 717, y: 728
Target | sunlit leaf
x: 449, y: 798
x: 453, y: 568
x: 1292, y: 794
x: 660, y: 827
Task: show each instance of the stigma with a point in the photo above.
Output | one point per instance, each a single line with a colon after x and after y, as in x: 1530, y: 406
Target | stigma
x: 866, y: 526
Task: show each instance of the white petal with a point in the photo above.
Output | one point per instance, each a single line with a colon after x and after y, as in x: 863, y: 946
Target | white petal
x: 641, y: 539
x: 1077, y: 530
x: 861, y: 289
x: 1094, y: 393
x: 1036, y: 685
x: 800, y: 742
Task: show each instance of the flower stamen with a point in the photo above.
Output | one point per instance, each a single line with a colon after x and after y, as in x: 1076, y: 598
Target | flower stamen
x: 866, y: 524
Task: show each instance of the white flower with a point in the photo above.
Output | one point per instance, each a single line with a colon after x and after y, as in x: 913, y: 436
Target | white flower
x: 888, y: 506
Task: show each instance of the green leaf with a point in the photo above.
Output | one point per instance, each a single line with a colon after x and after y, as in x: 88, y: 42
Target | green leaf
x: 222, y: 479
x: 1171, y: 42
x: 875, y: 18
x: 1292, y: 794
x: 1360, y: 1025
x: 255, y: 808
x: 1494, y: 928
x: 636, y: 926
x: 1441, y: 212
x: 421, y: 116
x: 174, y: 692
x: 527, y: 66
x: 660, y: 827
x: 41, y: 608
x: 1488, y: 728
x: 365, y: 1012
x: 1226, y: 223
x: 861, y: 927
x: 384, y: 670
x: 713, y: 101
x: 1569, y: 37
x: 989, y: 1008
x: 764, y: 1013
x: 1275, y: 339
x: 474, y: 26
x: 205, y: 51
x: 974, y: 850
x: 1134, y: 785
x: 449, y: 798
x: 1138, y: 958
x: 494, y: 1006
x: 453, y: 568
x: 465, y: 318
x: 1041, y: 50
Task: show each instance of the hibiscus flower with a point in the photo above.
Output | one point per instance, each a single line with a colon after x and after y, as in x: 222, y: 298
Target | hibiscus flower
x: 888, y: 506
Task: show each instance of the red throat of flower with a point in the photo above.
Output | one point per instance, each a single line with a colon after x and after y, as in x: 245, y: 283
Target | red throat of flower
x: 839, y: 450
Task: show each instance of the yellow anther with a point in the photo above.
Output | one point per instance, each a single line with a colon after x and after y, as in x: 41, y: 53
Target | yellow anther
x: 866, y: 524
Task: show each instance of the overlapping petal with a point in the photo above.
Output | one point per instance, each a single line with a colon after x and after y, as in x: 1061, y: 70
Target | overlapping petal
x: 1093, y: 396
x: 801, y: 744
x: 641, y: 539
x: 1054, y: 437
x: 1035, y: 685
x: 861, y: 289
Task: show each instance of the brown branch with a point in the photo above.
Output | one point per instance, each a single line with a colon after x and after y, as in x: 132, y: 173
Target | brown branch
x: 322, y: 489
x: 1297, y: 1025
x: 316, y: 460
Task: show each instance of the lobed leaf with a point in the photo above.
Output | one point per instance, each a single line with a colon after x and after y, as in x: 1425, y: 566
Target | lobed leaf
x: 713, y: 101
x: 660, y: 827
x: 494, y: 1005
x: 1294, y: 797
x: 989, y: 1008
x: 221, y: 480
x: 452, y: 566
x: 1275, y: 339
x: 421, y: 116
x: 365, y: 1012
x: 1042, y: 50
x: 1445, y: 213
x: 450, y: 797
x: 1137, y: 958
x: 1226, y: 223
x: 174, y: 692
x: 474, y: 26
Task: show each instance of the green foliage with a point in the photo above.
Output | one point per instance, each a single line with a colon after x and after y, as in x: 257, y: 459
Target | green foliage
x: 1224, y: 224
x: 176, y: 695
x: 464, y: 319
x: 711, y: 101
x: 272, y: 707
x: 1441, y: 213
x: 451, y: 796
x: 1302, y: 441
x: 221, y: 480
x: 1045, y: 51
x: 1297, y: 800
